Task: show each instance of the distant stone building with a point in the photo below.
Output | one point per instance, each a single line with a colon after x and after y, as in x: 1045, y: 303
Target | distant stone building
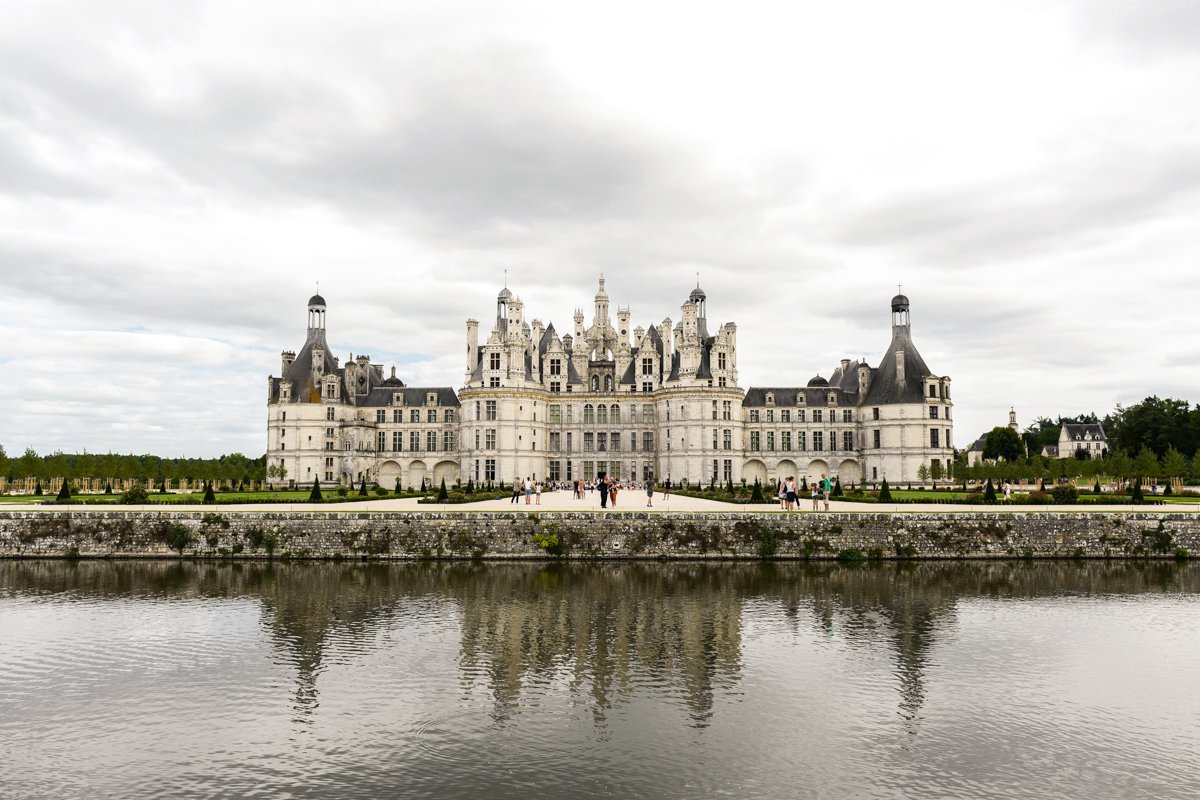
x: 1087, y: 438
x: 657, y: 401
x: 975, y: 451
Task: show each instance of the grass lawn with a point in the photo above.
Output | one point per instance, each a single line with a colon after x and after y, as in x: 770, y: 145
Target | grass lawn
x: 229, y: 498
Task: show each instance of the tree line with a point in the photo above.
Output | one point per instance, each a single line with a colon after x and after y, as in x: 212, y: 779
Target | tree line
x: 1156, y: 438
x: 234, y: 467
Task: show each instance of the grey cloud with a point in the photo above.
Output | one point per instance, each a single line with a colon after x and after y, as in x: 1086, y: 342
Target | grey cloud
x: 1076, y: 203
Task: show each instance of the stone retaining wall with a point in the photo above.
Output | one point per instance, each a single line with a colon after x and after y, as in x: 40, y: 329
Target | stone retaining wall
x: 414, y: 535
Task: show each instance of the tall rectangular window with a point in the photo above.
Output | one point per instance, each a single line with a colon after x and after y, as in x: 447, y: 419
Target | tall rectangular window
x: 555, y: 441
x: 589, y: 442
x: 397, y: 440
x: 633, y: 441
x: 714, y: 409
x: 615, y: 439
x: 785, y: 440
x: 754, y: 415
x: 727, y: 439
x: 875, y: 439
x: 714, y: 438
x: 414, y: 440
x: 414, y: 415
x: 800, y: 415
x: 785, y: 415
x: 329, y: 413
x: 933, y: 411
x: 397, y: 415
x: 380, y: 415
x: 431, y: 440
x: 431, y: 415
x: 555, y: 470
x: 874, y: 413
x: 489, y: 469
x: 770, y: 440
x: 647, y: 441
x: 818, y: 440
x: 801, y: 440
x: 727, y: 466
x: 755, y: 440
x: 726, y: 409
x: 493, y: 361
x: 381, y: 441
x: 489, y: 439
x: 447, y: 440
x: 555, y: 413
x: 847, y: 440
x: 817, y: 416
x: 933, y: 436
x: 647, y: 366
x: 647, y: 412
x: 489, y: 409
x: 847, y: 416
x: 602, y: 442
x: 568, y: 441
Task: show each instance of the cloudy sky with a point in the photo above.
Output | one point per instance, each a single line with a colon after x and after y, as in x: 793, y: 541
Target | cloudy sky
x: 176, y: 177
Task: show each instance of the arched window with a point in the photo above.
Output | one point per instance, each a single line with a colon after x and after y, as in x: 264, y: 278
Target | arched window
x: 595, y: 383
x: 602, y: 414
x: 589, y: 413
x: 608, y: 383
x: 614, y: 413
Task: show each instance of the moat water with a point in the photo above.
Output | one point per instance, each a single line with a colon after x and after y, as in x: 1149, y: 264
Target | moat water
x: 958, y: 680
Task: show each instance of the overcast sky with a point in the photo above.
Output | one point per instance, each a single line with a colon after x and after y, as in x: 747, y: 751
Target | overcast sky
x: 176, y: 177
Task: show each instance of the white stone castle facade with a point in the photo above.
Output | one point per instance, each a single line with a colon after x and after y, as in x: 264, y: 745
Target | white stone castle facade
x: 660, y: 402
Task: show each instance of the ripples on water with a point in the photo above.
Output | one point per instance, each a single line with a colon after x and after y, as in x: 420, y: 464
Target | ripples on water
x: 140, y: 680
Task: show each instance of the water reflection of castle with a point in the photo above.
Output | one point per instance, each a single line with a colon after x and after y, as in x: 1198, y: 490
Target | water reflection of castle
x: 603, y: 628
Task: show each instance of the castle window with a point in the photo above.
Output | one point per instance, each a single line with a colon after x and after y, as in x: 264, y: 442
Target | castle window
x: 414, y: 416
x: 721, y: 381
x: 489, y: 469
x: 431, y: 415
x: 755, y: 440
x: 785, y: 415
x: 800, y: 415
x: 727, y: 409
x: 602, y: 414
x: 556, y: 366
x: 785, y: 440
x: 933, y: 437
x: 817, y: 417
x: 380, y: 416
x: 833, y: 399
x: 608, y: 384
x: 647, y: 366
x: 555, y: 386
x: 397, y: 440
x: 770, y: 415
x: 770, y: 398
x: 382, y: 442
x: 431, y: 399
x: 714, y: 409
x: 329, y: 413
x: 589, y: 442
x: 720, y: 361
x: 933, y: 412
x: 875, y: 438
x: 414, y: 440
x: 647, y: 412
x: 449, y: 415
x: 754, y: 415
x: 770, y: 440
x: 493, y: 361
x: 801, y: 440
x: 493, y: 383
x: 447, y: 440
x: 490, y: 409
x: 847, y: 440
x: 283, y: 417
x: 847, y: 416
x: 595, y: 383
x: 647, y: 387
x: 397, y: 416
x: 874, y: 413
x: 489, y: 439
x: 647, y: 441
x: 555, y: 412
x: 589, y: 414
x: 932, y: 390
x: 818, y: 440
x: 614, y: 413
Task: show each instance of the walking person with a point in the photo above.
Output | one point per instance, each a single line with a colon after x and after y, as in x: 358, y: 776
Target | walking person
x: 826, y: 488
x: 667, y: 488
x: 538, y: 491
x: 782, y: 491
x: 649, y: 492
x: 790, y: 496
x: 612, y: 493
x: 602, y: 488
x: 516, y: 489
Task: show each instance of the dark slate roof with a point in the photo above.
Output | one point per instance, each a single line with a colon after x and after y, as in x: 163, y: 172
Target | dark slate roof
x: 413, y: 396
x: 628, y: 379
x: 1082, y: 430
x: 705, y: 369
x: 899, y: 303
x: 573, y: 374
x: 786, y: 397
x: 316, y: 300
x: 674, y: 376
x: 816, y: 381
x: 978, y: 445
x: 884, y: 388
x: 304, y: 390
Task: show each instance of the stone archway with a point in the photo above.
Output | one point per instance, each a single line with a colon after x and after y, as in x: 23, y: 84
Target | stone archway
x: 816, y: 468
x: 389, y: 473
x: 849, y: 472
x: 754, y: 468
x: 785, y: 468
x: 447, y: 470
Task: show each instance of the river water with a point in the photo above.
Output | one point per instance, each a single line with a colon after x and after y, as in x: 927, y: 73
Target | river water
x: 955, y: 680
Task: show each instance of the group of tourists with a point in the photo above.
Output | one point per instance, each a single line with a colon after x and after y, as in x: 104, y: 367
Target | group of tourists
x: 789, y: 492
x: 528, y: 488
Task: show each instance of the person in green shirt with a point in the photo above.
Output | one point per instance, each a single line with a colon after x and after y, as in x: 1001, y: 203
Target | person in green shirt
x: 826, y: 488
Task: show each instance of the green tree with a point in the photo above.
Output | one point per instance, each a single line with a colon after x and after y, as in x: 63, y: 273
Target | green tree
x: 1003, y: 443
x: 885, y: 494
x: 936, y: 471
x: 837, y: 487
x: 399, y: 489
x: 315, y: 495
x: 1196, y: 465
x: 4, y: 462
x: 756, y: 496
x: 923, y: 473
x: 989, y: 492
x: 1146, y: 464
x: 443, y: 495
x: 1174, y: 464
x: 362, y: 490
x: 209, y: 495
x: 64, y: 492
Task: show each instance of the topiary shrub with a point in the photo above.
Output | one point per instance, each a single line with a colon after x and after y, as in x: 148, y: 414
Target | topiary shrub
x: 134, y: 495
x: 314, y: 496
x: 1065, y: 493
x: 443, y: 495
x: 885, y: 494
x: 209, y: 495
x: 64, y: 492
x: 989, y: 492
x: 756, y: 496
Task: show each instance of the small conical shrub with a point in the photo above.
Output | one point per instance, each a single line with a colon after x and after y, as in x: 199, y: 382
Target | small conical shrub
x: 1096, y: 488
x: 362, y: 489
x: 399, y: 489
x: 470, y: 486
x: 729, y: 488
x: 989, y: 492
x: 315, y: 495
x: 1137, y: 496
x: 837, y: 487
x: 108, y: 488
x: 37, y: 490
x: 756, y: 496
x: 885, y: 494
x: 209, y: 495
x: 443, y: 495
x: 64, y: 492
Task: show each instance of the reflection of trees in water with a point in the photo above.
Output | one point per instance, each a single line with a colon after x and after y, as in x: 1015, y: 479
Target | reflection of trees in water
x: 598, y: 626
